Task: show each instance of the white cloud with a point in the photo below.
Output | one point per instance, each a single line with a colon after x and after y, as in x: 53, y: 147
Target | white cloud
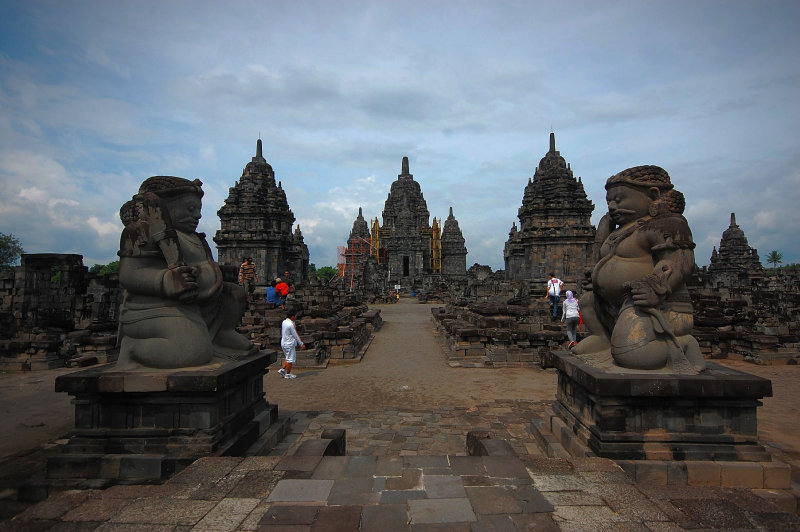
x: 32, y: 194
x: 104, y: 228
x: 90, y: 106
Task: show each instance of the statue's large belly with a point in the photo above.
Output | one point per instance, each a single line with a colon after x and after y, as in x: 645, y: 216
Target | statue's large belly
x: 608, y: 277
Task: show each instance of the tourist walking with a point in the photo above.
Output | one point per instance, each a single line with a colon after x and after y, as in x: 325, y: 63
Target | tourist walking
x: 289, y: 342
x: 554, y: 294
x: 572, y: 315
x: 282, y: 289
x: 248, y: 276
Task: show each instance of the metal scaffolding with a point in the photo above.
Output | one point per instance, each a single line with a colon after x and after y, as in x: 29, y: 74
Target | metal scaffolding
x: 436, y: 247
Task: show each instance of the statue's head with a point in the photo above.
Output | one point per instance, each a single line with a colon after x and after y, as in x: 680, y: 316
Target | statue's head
x: 129, y: 212
x: 183, y: 199
x: 641, y: 191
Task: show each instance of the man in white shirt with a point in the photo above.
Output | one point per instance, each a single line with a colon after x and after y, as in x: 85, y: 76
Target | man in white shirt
x: 289, y: 340
x: 554, y: 293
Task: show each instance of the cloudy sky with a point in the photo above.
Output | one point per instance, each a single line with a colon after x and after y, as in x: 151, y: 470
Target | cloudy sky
x: 96, y: 96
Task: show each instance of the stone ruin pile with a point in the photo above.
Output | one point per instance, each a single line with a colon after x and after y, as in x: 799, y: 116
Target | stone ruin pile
x: 335, y: 325
x: 53, y: 312
x: 496, y: 334
x: 740, y: 311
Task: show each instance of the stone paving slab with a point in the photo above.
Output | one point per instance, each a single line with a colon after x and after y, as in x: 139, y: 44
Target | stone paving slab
x: 297, y: 490
x: 388, y: 492
x: 425, y: 511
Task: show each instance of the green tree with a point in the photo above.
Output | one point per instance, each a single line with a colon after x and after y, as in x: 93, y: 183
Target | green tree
x: 10, y: 250
x: 326, y: 273
x: 775, y: 258
x: 105, y: 269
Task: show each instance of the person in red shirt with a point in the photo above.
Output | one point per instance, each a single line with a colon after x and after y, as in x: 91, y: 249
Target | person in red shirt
x: 282, y: 289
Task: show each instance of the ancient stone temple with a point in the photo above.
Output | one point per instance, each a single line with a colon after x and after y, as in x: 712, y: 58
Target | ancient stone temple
x: 407, y: 249
x: 411, y: 247
x: 406, y: 234
x: 354, y: 259
x: 256, y: 222
x: 736, y: 263
x: 555, y: 233
x: 454, y: 252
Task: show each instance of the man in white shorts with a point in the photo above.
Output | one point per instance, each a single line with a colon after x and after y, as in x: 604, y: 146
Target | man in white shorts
x: 289, y: 341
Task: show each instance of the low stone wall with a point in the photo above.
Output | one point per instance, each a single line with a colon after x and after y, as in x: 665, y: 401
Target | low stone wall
x: 496, y: 334
x: 335, y: 325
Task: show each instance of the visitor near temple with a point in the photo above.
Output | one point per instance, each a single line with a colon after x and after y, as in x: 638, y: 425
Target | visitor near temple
x: 572, y: 315
x: 282, y: 289
x: 272, y: 295
x: 289, y: 342
x: 554, y: 293
x: 248, y: 276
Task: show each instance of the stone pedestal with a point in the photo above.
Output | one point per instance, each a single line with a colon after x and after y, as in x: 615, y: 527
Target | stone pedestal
x: 146, y: 425
x: 647, y: 416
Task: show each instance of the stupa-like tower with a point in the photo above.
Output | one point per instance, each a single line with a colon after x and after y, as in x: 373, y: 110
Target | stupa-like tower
x: 256, y: 222
x: 360, y: 230
x: 555, y: 233
x: 454, y: 252
x: 736, y: 262
x: 406, y: 232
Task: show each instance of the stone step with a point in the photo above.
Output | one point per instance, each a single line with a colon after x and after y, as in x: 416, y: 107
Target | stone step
x: 546, y: 440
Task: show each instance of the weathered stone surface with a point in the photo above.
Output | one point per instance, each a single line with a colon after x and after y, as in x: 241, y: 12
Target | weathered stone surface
x: 640, y: 416
x: 256, y: 222
x: 555, y: 233
x: 147, y: 425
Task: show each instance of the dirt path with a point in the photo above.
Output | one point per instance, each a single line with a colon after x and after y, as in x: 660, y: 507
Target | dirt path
x: 405, y: 367
x: 778, y: 418
x: 31, y: 412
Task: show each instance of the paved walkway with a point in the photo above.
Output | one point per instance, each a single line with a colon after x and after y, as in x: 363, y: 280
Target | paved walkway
x: 406, y: 414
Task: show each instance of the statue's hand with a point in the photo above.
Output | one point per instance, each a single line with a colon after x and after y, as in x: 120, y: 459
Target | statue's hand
x: 652, y: 290
x: 643, y: 295
x: 181, y: 283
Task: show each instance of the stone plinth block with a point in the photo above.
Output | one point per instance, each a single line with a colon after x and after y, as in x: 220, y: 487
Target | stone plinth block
x: 161, y: 419
x: 649, y: 416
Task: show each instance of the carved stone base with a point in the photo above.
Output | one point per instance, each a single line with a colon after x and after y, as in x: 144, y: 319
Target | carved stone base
x: 639, y: 416
x: 146, y: 425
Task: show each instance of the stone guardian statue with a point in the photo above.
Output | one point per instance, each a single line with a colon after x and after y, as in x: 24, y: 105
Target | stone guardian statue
x: 177, y: 310
x: 638, y: 310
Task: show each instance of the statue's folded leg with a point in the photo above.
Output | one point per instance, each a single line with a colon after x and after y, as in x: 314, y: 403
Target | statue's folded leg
x: 227, y: 316
x: 165, y: 343
x: 635, y: 343
x: 597, y: 342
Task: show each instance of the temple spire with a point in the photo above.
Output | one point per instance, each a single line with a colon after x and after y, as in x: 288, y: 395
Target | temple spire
x: 733, y: 219
x: 404, y: 169
x: 552, y: 141
x: 258, y: 149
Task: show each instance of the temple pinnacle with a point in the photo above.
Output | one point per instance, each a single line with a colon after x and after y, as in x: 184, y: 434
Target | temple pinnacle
x: 258, y: 149
x: 404, y: 169
x: 733, y: 219
x: 552, y: 141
